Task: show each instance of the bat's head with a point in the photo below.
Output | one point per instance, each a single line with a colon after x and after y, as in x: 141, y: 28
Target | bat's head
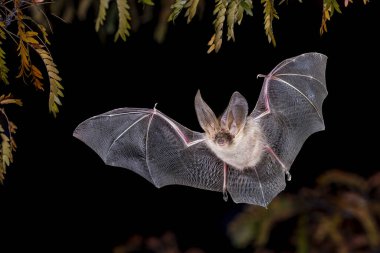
x: 223, y: 130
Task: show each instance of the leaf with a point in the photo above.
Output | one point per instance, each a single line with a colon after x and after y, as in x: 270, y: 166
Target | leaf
x: 191, y: 6
x: 124, y: 19
x: 176, y: 9
x: 102, y: 13
x: 3, y: 68
x: 54, y: 81
x: 44, y: 33
x: 8, y: 99
x: 36, y: 78
x: 269, y: 14
x: 329, y: 7
x: 247, y: 6
x: 147, y: 2
x: 7, y: 143
x: 22, y: 48
x: 220, y: 11
x: 232, y: 18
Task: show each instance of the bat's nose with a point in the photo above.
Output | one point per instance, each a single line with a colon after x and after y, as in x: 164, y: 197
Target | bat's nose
x: 221, y: 142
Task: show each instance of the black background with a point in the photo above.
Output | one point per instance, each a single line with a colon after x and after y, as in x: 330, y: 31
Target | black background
x: 59, y: 196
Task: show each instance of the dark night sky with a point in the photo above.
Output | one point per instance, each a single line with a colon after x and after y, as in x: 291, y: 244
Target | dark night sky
x: 60, y: 197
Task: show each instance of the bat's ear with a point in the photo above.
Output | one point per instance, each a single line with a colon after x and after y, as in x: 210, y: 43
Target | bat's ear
x: 206, y: 116
x: 235, y: 116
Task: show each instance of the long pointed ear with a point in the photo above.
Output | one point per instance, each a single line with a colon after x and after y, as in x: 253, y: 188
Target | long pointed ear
x: 235, y: 116
x: 206, y: 116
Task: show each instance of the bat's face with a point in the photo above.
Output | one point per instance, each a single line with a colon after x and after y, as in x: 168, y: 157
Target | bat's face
x: 222, y: 132
x: 223, y: 138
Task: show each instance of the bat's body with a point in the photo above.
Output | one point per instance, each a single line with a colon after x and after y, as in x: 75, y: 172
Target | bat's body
x: 246, y: 155
x: 246, y: 149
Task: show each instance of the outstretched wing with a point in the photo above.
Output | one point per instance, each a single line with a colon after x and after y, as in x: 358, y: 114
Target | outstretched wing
x: 288, y: 111
x: 164, y: 152
x: 154, y: 146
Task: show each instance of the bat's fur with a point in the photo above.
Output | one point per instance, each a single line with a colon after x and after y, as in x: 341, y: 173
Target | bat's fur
x: 244, y: 150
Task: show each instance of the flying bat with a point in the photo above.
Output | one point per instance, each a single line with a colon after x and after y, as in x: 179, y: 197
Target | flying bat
x: 247, y: 156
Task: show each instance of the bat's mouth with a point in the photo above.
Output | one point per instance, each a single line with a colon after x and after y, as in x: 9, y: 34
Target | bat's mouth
x: 221, y: 142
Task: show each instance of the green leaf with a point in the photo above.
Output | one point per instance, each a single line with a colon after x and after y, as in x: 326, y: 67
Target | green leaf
x: 124, y: 18
x: 3, y: 68
x: 176, y: 8
x: 191, y: 9
x: 247, y: 6
x: 269, y: 14
x: 102, y: 13
x: 147, y: 2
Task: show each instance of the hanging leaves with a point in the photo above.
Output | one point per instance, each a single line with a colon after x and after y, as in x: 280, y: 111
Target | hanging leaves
x: 270, y: 13
x: 54, y: 80
x: 7, y: 130
x: 191, y: 9
x: 3, y: 68
x: 102, y: 13
x: 29, y: 39
x: 124, y: 20
x: 220, y: 11
x: 176, y: 9
x: 329, y: 7
x: 147, y: 2
x: 129, y: 15
x: 232, y: 18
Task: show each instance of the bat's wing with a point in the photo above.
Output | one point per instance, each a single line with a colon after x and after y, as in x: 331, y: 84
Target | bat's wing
x: 154, y: 146
x: 288, y: 111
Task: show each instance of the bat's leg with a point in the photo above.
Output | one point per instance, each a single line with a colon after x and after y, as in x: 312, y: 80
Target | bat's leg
x: 284, y: 168
x: 225, y: 171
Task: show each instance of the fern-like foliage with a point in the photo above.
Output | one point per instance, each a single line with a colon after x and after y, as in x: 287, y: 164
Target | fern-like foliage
x: 102, y: 13
x: 220, y: 11
x: 178, y: 5
x: 176, y: 8
x: 124, y: 20
x: 3, y: 67
x: 7, y: 131
x: 341, y: 214
x: 270, y: 13
x: 124, y: 16
x: 329, y: 7
x: 147, y: 2
x: 133, y: 16
x: 232, y: 12
x: 191, y: 6
x: 30, y: 40
x: 54, y: 80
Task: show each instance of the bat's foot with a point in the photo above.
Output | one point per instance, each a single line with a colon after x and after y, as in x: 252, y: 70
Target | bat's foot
x: 225, y: 195
x: 288, y: 176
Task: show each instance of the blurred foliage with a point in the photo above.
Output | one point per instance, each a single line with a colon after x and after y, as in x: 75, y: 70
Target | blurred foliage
x: 119, y: 17
x: 341, y: 214
x: 7, y: 130
x: 29, y: 39
x: 167, y: 243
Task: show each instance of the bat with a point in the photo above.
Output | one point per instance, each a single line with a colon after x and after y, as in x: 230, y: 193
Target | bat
x: 247, y: 156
